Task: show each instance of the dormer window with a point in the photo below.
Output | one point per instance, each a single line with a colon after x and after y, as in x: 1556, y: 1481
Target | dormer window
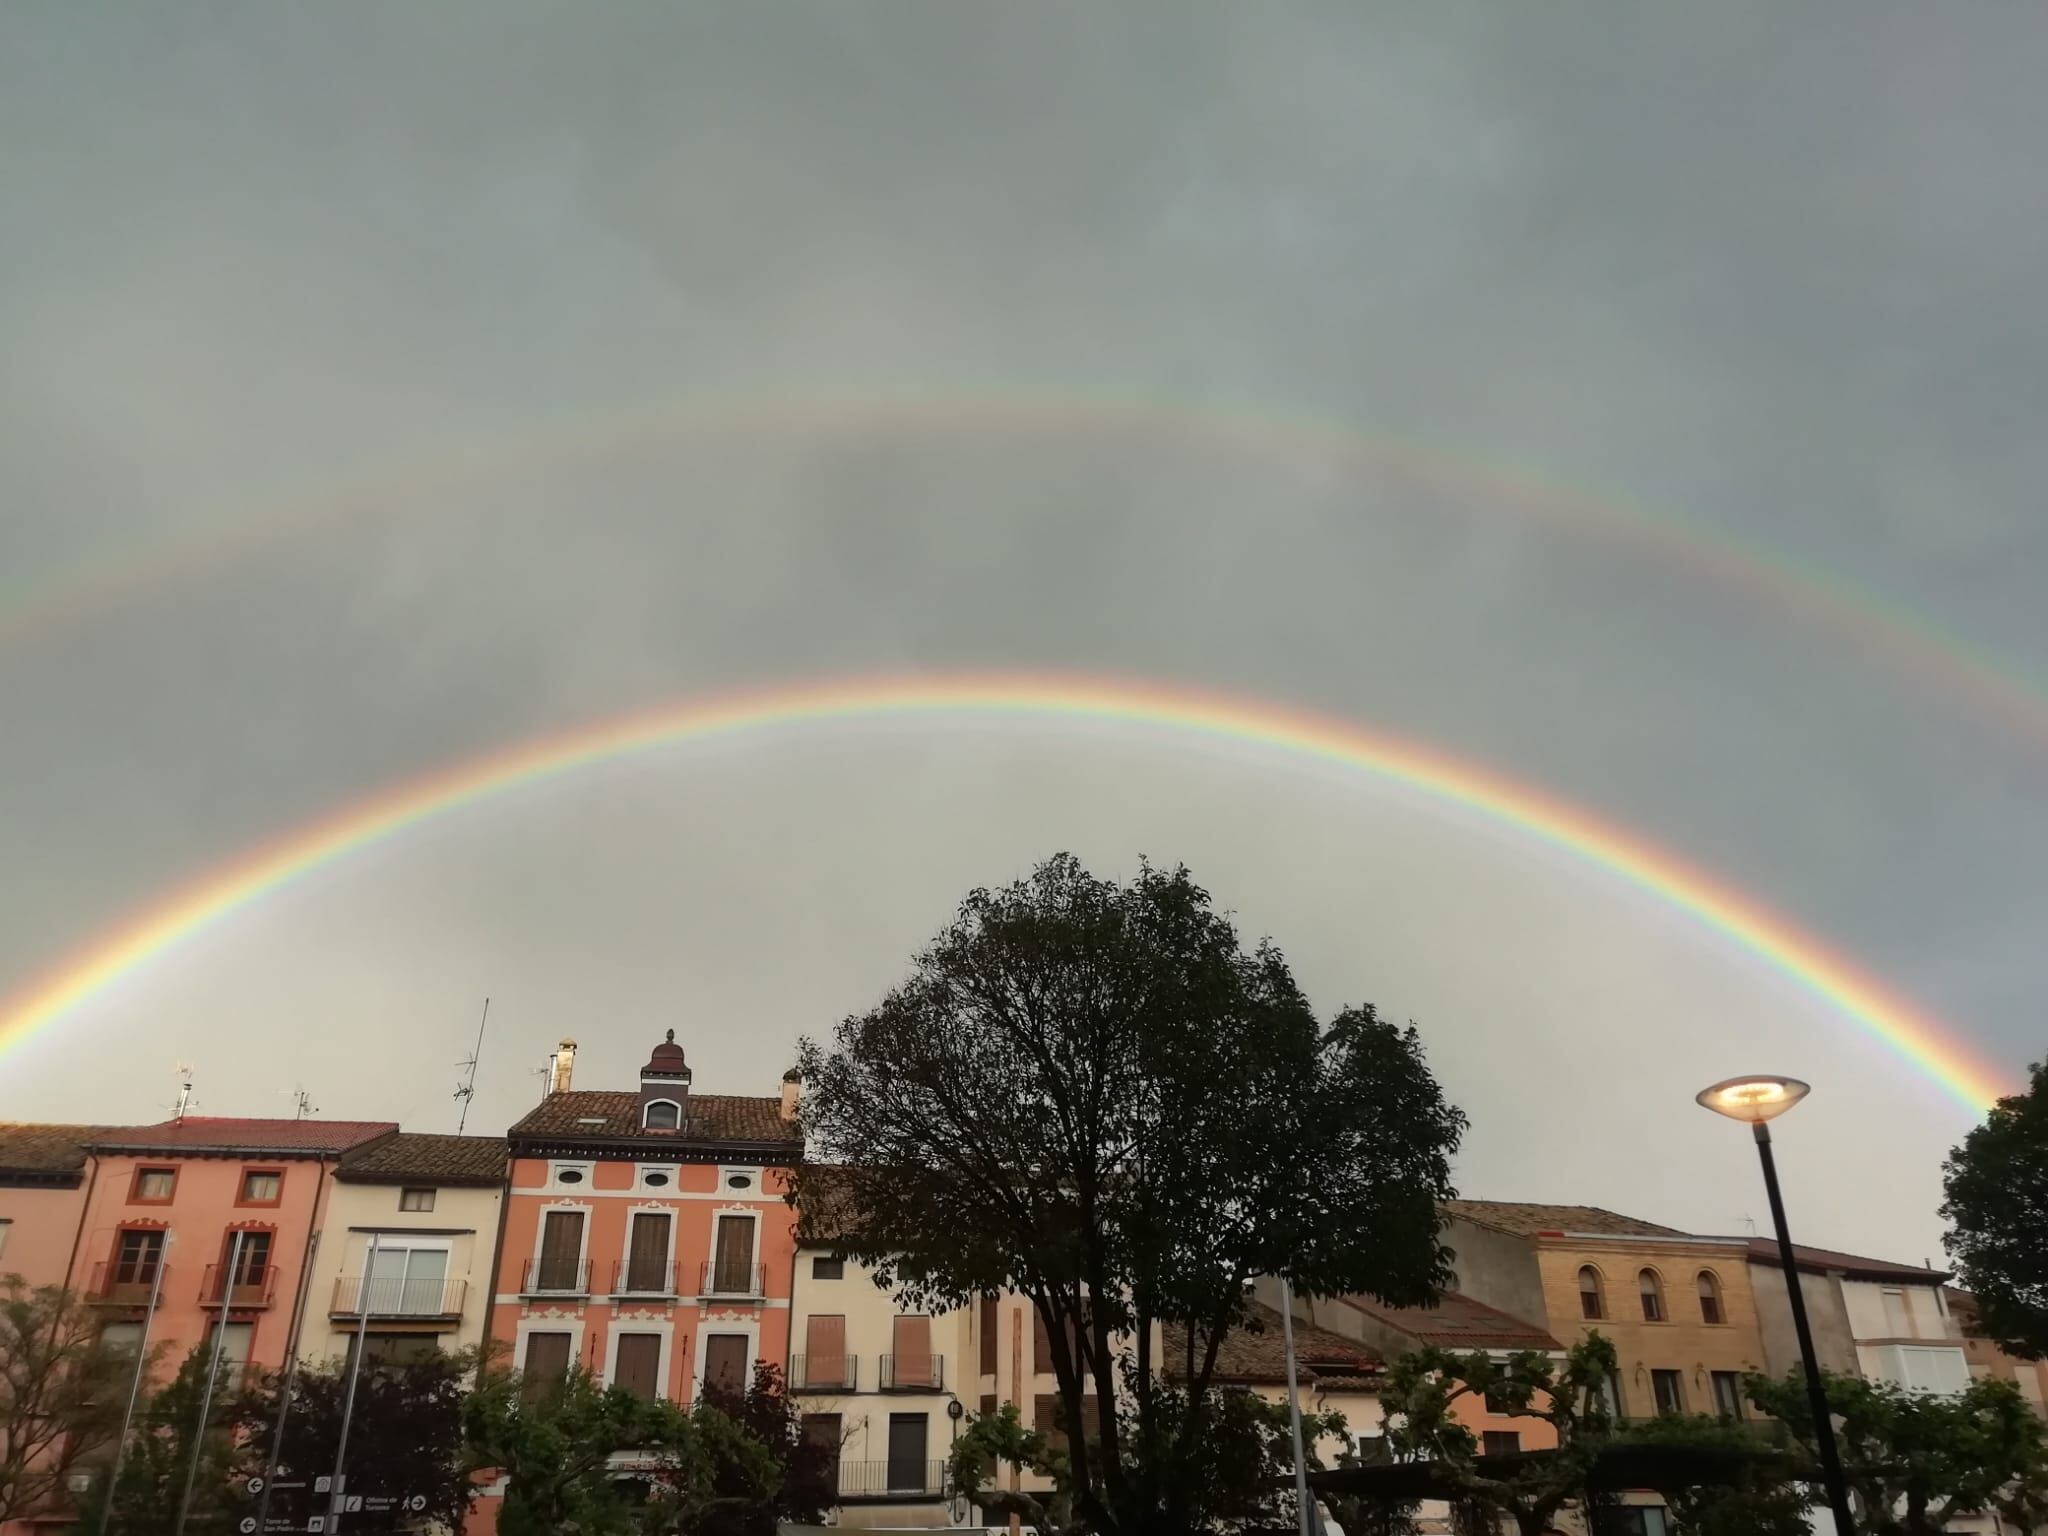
x: 662, y: 1115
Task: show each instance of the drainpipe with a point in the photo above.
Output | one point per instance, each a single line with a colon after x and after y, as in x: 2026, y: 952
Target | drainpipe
x: 78, y: 1234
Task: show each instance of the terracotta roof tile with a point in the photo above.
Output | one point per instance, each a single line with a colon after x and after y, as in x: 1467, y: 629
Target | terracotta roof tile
x: 1764, y: 1250
x: 1457, y: 1322
x: 31, y: 1148
x: 709, y: 1117
x: 1257, y: 1352
x: 1526, y: 1220
x: 227, y: 1133
x: 412, y: 1157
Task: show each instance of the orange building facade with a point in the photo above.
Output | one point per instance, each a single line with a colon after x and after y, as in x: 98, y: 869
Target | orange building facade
x: 646, y: 1238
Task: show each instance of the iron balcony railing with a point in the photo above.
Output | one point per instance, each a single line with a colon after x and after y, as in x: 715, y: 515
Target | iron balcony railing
x: 726, y: 1279
x: 892, y: 1479
x: 550, y: 1277
x: 913, y: 1373
x: 644, y: 1279
x: 126, y: 1283
x: 392, y: 1296
x: 824, y: 1373
x: 250, y: 1286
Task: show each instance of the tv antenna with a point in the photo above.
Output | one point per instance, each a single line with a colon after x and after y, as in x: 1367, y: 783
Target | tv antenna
x: 467, y: 1089
x: 184, y: 1090
x: 304, y: 1103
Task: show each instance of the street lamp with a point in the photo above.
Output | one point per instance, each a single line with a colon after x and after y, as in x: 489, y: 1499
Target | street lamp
x: 1760, y: 1100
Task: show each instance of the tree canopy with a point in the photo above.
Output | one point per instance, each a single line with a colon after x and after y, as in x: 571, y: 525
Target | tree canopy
x: 61, y: 1394
x: 1997, y: 1210
x: 1095, y: 1094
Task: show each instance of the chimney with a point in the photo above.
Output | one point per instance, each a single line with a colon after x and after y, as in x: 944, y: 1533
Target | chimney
x: 665, y: 1080
x: 792, y: 1091
x: 565, y: 1065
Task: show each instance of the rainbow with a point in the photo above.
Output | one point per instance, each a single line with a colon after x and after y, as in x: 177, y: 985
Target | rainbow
x: 306, y: 849
x: 1984, y: 684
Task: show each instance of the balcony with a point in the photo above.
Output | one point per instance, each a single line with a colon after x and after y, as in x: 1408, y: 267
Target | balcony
x: 644, y: 1279
x: 251, y: 1286
x: 732, y: 1280
x: 394, y: 1297
x: 891, y: 1480
x: 126, y: 1283
x: 824, y: 1373
x: 548, y: 1277
x: 913, y: 1373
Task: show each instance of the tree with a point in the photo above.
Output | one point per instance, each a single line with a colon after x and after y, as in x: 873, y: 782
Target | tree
x: 1915, y: 1461
x: 1424, y: 1387
x: 1759, y: 1495
x: 1997, y: 1208
x: 159, y: 1460
x: 993, y: 1439
x: 807, y: 1471
x: 554, y: 1446
x: 1095, y: 1095
x: 405, y: 1440
x: 61, y: 1395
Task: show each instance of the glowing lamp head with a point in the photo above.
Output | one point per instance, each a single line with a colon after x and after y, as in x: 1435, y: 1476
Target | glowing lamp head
x: 1755, y: 1099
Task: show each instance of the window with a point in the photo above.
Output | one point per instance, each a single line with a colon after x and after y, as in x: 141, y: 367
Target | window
x: 907, y: 1468
x: 121, y: 1338
x: 732, y: 1257
x: 153, y: 1186
x: 647, y: 1254
x: 910, y: 1360
x: 1500, y: 1442
x: 822, y: 1429
x: 1610, y: 1395
x: 1630, y: 1520
x: 725, y: 1360
x: 662, y: 1115
x: 1710, y: 1298
x: 1668, y: 1387
x: 234, y: 1352
x: 987, y: 1327
x: 1898, y: 1317
x: 5, y: 1223
x: 636, y: 1365
x: 1496, y: 1401
x: 656, y: 1177
x: 392, y: 1349
x: 251, y: 1261
x: 1591, y: 1302
x: 547, y: 1362
x: 137, y: 1255
x: 568, y: 1175
x: 261, y: 1186
x: 415, y: 1199
x: 825, y: 1351
x: 828, y: 1266
x: 1728, y: 1394
x: 409, y: 1279
x: 739, y: 1181
x: 1653, y: 1296
x: 560, y: 1265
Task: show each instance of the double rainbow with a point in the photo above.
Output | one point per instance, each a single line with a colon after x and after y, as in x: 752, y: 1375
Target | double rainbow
x: 299, y: 853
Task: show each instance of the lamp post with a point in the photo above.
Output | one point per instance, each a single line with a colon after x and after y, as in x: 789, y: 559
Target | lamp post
x: 1759, y: 1100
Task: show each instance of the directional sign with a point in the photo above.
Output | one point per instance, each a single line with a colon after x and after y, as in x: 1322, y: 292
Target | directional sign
x: 318, y: 1523
x: 248, y: 1525
x: 416, y: 1503
x: 322, y: 1483
x: 255, y: 1485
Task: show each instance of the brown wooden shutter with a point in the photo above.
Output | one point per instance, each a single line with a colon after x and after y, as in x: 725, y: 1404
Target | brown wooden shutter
x: 990, y: 1322
x: 732, y: 1260
x: 725, y: 1361
x: 647, y: 1252
x: 561, y: 1250
x: 1041, y: 1343
x: 989, y: 1404
x: 1045, y: 1418
x: 547, y: 1360
x: 825, y: 1352
x: 912, y: 1344
x: 637, y: 1365
x: 822, y: 1429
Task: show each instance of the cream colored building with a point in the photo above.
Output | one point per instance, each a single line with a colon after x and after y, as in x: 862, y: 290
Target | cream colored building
x: 417, y: 1216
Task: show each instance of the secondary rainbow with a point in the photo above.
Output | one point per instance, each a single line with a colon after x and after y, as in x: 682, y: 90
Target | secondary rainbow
x: 212, y: 898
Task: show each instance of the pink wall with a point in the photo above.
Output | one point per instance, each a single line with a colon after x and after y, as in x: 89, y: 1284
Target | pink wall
x: 41, y: 1224
x: 694, y: 1202
x: 202, y: 1212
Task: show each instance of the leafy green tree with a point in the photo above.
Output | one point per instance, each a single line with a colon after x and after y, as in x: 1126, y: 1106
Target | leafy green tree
x: 807, y: 1472
x: 406, y: 1438
x: 1424, y: 1387
x: 554, y: 1446
x: 1758, y: 1495
x: 61, y: 1395
x: 1997, y: 1210
x: 992, y: 1440
x: 728, y: 1485
x: 1096, y: 1095
x: 1915, y: 1461
x: 159, y: 1458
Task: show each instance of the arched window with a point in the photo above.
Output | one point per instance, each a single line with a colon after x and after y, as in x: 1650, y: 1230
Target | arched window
x: 1653, y: 1296
x: 1591, y: 1302
x: 1710, y: 1297
x: 662, y: 1115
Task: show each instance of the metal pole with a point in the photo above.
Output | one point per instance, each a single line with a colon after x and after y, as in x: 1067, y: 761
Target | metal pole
x: 156, y: 1289
x: 1294, y: 1410
x: 1816, y: 1392
x: 291, y: 1381
x: 220, y: 1339
x: 355, y: 1370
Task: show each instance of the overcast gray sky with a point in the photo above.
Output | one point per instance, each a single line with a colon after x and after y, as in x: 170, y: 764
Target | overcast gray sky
x: 382, y: 384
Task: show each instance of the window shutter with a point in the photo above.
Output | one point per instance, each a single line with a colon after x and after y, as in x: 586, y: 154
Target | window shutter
x: 991, y: 1324
x: 913, y: 1347
x: 825, y: 1351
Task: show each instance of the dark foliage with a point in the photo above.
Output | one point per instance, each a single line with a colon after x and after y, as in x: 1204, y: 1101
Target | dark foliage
x: 1997, y: 1210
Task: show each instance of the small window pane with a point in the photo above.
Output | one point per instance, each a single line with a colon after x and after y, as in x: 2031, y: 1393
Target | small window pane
x: 655, y: 1180
x: 155, y: 1183
x: 1728, y: 1394
x: 1669, y: 1392
x: 1500, y: 1442
x: 1710, y: 1297
x: 828, y: 1267
x: 739, y: 1181
x: 662, y: 1115
x: 1653, y: 1297
x: 415, y: 1199
x: 261, y: 1188
x: 1590, y: 1301
x: 569, y: 1176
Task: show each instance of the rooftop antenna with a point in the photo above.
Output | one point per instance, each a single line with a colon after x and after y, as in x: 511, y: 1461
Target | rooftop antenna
x: 304, y: 1100
x: 1750, y: 1222
x: 184, y: 1091
x: 467, y: 1090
